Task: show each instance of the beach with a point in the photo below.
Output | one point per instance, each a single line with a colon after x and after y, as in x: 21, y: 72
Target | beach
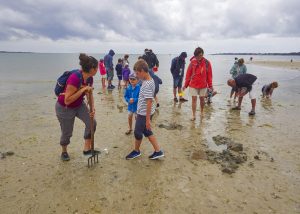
x: 35, y: 180
x: 295, y: 65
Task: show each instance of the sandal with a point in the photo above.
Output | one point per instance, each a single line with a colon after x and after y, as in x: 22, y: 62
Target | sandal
x: 183, y: 100
x: 128, y: 132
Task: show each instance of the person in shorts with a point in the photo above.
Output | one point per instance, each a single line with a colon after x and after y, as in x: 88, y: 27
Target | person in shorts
x: 102, y: 71
x: 132, y: 96
x: 145, y: 110
x: 109, y: 66
x: 119, y: 68
x: 177, y: 70
x: 198, y: 78
x: 244, y: 85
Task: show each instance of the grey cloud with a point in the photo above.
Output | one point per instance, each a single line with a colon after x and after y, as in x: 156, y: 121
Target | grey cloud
x: 164, y: 20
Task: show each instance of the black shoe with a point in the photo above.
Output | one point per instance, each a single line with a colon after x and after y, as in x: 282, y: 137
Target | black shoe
x: 157, y: 105
x: 175, y: 100
x: 64, y: 156
x: 251, y: 113
x: 183, y: 100
x: 89, y: 152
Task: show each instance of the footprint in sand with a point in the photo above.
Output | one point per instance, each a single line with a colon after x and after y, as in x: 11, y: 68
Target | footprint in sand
x: 266, y: 125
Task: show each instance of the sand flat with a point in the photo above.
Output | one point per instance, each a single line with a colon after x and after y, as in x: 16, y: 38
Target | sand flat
x: 34, y: 180
x: 295, y: 65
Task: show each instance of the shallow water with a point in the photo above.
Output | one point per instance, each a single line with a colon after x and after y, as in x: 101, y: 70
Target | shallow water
x: 29, y: 73
x: 175, y: 184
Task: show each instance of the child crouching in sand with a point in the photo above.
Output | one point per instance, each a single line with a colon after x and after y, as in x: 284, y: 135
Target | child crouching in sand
x: 267, y: 90
x: 145, y: 110
x: 131, y: 96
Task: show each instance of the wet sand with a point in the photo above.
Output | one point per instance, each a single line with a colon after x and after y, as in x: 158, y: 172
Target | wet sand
x: 34, y: 180
x: 295, y: 65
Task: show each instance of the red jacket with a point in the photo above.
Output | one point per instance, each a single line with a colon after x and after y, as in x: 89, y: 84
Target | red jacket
x: 197, y: 76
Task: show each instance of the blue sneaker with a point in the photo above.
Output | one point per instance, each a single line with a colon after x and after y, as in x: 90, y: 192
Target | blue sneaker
x: 156, y: 155
x: 133, y: 154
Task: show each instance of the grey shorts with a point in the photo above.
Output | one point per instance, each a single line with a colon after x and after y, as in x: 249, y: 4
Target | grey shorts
x: 66, y: 118
x: 109, y: 73
x: 140, y: 128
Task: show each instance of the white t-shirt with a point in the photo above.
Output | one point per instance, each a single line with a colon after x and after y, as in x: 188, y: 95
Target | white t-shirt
x: 146, y: 92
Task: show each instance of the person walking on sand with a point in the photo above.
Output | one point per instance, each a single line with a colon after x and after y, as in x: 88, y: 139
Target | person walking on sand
x: 102, y: 71
x: 238, y: 68
x: 70, y: 104
x: 109, y: 66
x: 119, y: 68
x: 244, y: 84
x: 151, y: 59
x: 145, y: 110
x: 198, y: 78
x: 125, y: 60
x: 125, y: 75
x: 154, y: 61
x: 177, y: 70
x: 131, y: 96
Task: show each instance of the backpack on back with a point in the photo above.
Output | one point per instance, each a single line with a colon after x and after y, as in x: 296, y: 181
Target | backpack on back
x: 62, y: 80
x: 206, y: 68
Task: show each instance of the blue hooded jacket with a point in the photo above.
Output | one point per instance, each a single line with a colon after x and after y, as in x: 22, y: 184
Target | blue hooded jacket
x: 108, y: 60
x: 132, y: 93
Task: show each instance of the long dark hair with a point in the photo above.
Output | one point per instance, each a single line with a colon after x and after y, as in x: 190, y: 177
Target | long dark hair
x: 87, y: 62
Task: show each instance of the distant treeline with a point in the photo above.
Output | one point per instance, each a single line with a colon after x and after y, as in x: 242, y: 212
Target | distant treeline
x: 14, y: 52
x: 271, y: 54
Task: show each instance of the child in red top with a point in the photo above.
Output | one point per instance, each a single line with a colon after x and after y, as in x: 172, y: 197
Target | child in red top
x: 102, y: 72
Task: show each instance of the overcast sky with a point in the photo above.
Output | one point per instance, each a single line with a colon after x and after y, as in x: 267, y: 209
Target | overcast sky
x: 166, y: 26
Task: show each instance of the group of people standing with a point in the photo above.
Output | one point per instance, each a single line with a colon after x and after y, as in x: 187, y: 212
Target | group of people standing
x: 106, y: 69
x: 142, y: 87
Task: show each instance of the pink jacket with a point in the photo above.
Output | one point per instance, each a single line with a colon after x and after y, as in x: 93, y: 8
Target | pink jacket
x: 102, y: 68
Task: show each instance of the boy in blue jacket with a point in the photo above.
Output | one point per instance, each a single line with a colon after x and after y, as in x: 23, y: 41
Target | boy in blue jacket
x: 132, y: 96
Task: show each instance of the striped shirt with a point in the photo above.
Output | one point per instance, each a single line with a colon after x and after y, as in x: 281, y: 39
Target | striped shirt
x: 146, y: 92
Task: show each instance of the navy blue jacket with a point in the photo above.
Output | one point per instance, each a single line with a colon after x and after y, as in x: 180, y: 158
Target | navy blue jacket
x: 119, y: 68
x: 108, y: 60
x: 245, y: 80
x: 177, y: 67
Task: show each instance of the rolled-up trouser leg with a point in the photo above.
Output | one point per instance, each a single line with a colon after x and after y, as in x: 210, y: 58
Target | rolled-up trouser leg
x: 66, y: 118
x: 84, y: 116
